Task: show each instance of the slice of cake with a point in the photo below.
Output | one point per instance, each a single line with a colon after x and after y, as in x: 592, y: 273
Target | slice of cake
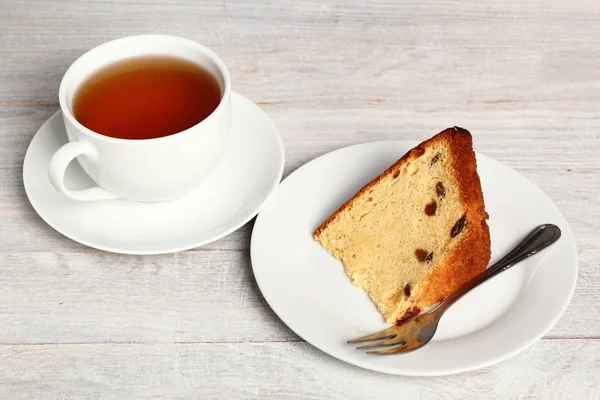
x: 418, y: 231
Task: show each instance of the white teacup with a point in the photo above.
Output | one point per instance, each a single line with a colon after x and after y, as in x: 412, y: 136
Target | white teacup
x: 147, y: 170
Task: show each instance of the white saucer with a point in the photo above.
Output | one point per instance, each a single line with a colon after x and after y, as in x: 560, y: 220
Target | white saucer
x: 309, y: 290
x: 230, y: 196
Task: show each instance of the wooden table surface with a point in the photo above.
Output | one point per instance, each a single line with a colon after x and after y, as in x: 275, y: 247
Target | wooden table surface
x: 523, y: 76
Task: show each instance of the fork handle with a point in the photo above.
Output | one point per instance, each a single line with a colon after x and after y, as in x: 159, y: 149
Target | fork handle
x: 539, y: 238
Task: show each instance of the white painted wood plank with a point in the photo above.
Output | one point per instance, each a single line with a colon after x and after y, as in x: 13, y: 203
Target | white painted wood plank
x: 450, y: 55
x: 90, y: 297
x: 523, y: 141
x: 96, y: 297
x: 542, y: 152
x: 552, y: 369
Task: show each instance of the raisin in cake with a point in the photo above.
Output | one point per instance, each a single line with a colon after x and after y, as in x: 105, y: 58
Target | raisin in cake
x: 418, y: 231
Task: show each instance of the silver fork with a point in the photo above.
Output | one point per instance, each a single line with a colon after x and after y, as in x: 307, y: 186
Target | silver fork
x: 418, y: 331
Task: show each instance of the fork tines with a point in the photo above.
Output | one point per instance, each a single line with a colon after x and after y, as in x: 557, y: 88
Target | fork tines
x: 390, y: 337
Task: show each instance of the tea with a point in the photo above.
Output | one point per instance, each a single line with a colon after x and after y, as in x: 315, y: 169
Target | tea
x: 146, y: 97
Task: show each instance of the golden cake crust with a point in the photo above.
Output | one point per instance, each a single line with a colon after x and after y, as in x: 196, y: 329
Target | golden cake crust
x: 472, y: 254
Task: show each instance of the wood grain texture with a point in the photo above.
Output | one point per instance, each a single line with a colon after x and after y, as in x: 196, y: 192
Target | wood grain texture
x: 192, y: 296
x: 279, y: 371
x: 522, y: 76
x: 97, y: 297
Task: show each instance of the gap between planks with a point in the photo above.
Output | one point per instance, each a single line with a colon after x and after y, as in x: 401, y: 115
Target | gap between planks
x: 575, y: 338
x: 87, y: 250
x: 152, y: 343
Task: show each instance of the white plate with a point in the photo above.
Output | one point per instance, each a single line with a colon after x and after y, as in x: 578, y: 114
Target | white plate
x: 309, y: 290
x: 230, y: 196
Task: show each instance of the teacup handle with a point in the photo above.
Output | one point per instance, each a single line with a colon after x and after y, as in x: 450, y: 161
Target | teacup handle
x: 59, y: 163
